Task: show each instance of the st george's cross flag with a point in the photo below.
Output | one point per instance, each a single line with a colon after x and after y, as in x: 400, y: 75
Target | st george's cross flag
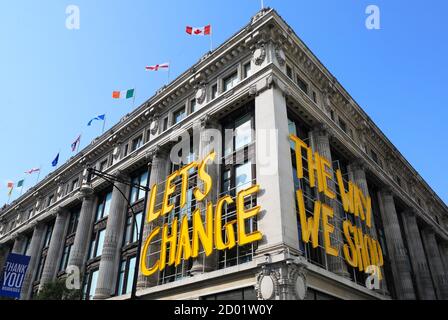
x: 31, y: 171
x: 203, y: 31
x: 157, y: 67
x: 126, y: 94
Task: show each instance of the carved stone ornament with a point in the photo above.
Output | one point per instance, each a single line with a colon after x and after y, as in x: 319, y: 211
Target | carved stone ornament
x: 154, y: 127
x: 259, y: 54
x: 280, y: 56
x: 200, y: 94
x: 281, y: 282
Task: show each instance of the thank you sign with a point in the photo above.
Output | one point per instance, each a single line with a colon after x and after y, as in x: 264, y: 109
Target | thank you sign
x: 13, y: 275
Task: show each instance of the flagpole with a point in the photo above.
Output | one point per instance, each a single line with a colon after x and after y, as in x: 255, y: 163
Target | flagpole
x: 79, y: 142
x: 169, y: 69
x: 262, y: 5
x: 104, y: 123
x: 211, y: 41
x: 38, y: 174
x: 23, y: 184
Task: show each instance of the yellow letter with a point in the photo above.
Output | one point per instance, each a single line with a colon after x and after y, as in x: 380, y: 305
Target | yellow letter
x: 310, y: 227
x: 184, y: 186
x: 199, y: 233
x: 347, y: 197
x: 350, y: 253
x: 151, y: 214
x: 243, y: 214
x: 169, y: 190
x: 205, y: 177
x: 328, y: 229
x: 184, y: 242
x: 324, y: 164
x: 143, y: 267
x: 228, y: 227
x: 299, y: 145
x: 172, y: 240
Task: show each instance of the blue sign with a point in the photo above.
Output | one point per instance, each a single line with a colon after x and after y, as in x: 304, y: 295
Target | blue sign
x: 14, y: 271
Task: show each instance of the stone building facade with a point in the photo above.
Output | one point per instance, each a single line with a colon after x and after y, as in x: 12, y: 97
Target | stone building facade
x: 263, y: 78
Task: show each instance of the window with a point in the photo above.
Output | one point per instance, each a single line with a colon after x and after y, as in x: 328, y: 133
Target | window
x: 243, y: 176
x: 48, y: 235
x: 230, y: 81
x: 126, y: 276
x: 289, y: 72
x: 314, y: 97
x: 242, y: 134
x: 247, y: 70
x: 64, y: 259
x: 239, y: 294
x: 137, y: 193
x: 73, y: 223
x: 126, y: 149
x: 50, y: 200
x: 214, y: 91
x: 178, y: 115
x: 302, y: 84
x: 103, y: 208
x: 75, y: 184
x: 90, y: 284
x: 332, y: 115
x: 192, y: 105
x: 397, y: 178
x: 374, y: 157
x: 103, y: 165
x: 132, y: 229
x: 165, y: 124
x: 137, y: 143
x: 96, y: 245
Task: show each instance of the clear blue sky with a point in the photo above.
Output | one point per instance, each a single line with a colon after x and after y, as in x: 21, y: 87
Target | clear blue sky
x: 53, y: 80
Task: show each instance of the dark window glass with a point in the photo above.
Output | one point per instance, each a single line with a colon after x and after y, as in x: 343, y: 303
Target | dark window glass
x: 230, y: 81
x: 302, y: 85
x: 192, y: 105
x: 103, y: 206
x: 179, y: 115
x: 65, y: 255
x: 247, y: 70
x: 289, y: 72
x: 214, y: 92
x: 137, y: 142
x: 165, y: 124
x: 132, y: 229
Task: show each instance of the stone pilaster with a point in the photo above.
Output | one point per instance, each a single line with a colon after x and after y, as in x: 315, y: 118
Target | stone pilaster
x: 401, y: 268
x: 34, y: 251
x: 78, y: 254
x: 443, y: 248
x: 110, y: 257
x: 321, y: 142
x: 209, y: 134
x: 281, y: 281
x: 19, y: 244
x: 55, y: 247
x: 159, y: 171
x: 422, y: 274
x: 277, y: 220
x: 438, y: 272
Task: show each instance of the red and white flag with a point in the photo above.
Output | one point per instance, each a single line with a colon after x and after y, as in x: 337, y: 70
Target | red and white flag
x: 31, y: 171
x: 204, y: 31
x: 157, y: 67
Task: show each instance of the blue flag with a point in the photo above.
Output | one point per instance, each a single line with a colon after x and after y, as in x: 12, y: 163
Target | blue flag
x: 11, y: 280
x: 100, y: 117
x: 54, y: 163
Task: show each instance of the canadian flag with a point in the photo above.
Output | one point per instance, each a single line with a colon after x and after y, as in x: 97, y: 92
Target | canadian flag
x: 204, y: 31
x: 157, y: 67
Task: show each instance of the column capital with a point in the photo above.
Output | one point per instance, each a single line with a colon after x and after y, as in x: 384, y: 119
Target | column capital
x: 323, y: 129
x: 359, y: 164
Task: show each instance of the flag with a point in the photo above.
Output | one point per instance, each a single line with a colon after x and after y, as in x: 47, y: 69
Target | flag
x: 75, y: 143
x: 204, y: 31
x: 54, y: 163
x: 20, y: 183
x: 10, y: 186
x: 31, y: 171
x: 100, y: 117
x: 157, y: 67
x: 126, y: 94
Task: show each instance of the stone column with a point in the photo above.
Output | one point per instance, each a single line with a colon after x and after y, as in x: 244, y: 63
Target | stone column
x: 34, y: 251
x: 401, y: 268
x: 110, y: 257
x: 4, y: 252
x: 321, y: 141
x: 438, y: 273
x: 19, y: 244
x: 209, y: 140
x: 159, y: 170
x: 55, y: 247
x: 277, y: 220
x: 422, y: 275
x: 78, y: 253
x: 443, y: 248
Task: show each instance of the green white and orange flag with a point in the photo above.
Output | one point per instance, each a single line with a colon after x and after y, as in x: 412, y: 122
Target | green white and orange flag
x: 126, y: 94
x: 10, y: 186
